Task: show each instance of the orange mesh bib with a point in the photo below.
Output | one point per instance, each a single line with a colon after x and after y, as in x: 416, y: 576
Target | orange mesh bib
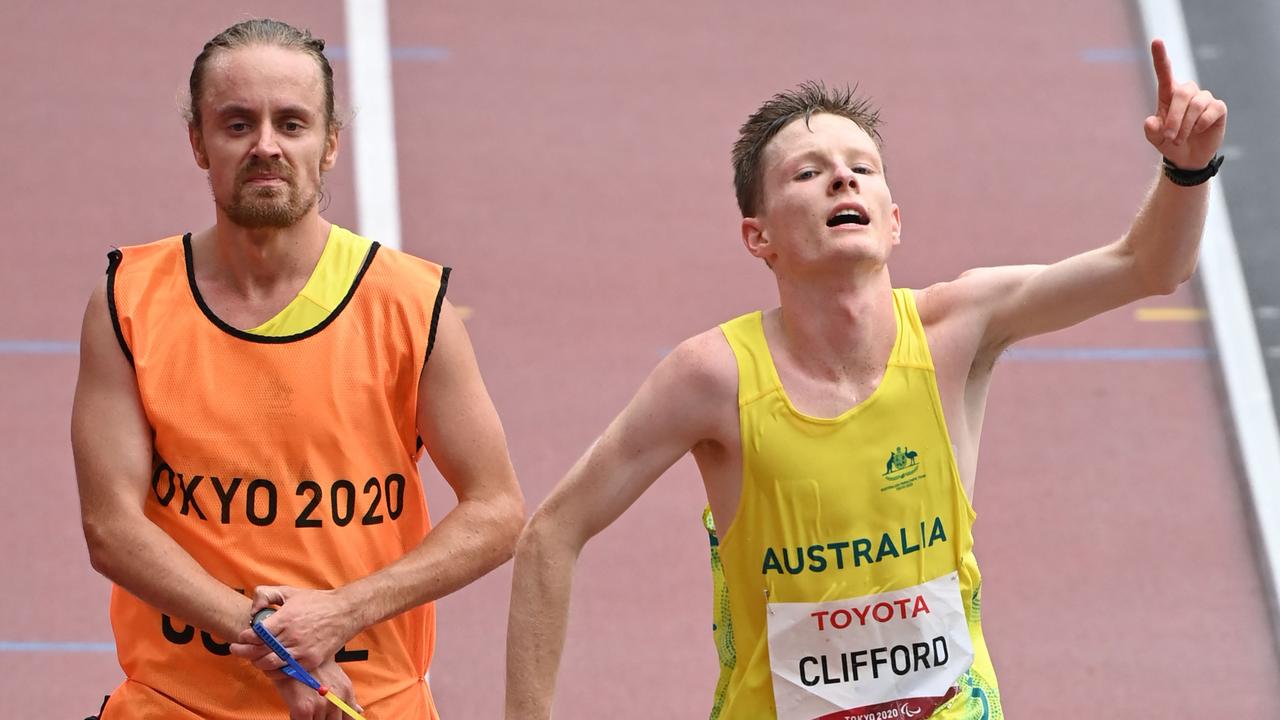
x: 278, y: 460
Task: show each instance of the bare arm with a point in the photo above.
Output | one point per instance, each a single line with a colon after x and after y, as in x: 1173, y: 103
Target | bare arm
x: 672, y: 412
x: 1157, y: 254
x: 463, y: 435
x: 112, y: 444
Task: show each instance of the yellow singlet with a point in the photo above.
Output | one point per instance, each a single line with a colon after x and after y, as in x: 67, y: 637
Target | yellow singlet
x: 849, y: 585
x: 344, y: 253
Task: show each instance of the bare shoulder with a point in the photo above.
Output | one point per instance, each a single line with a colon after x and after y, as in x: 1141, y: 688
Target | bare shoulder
x: 972, y: 294
x: 449, y: 324
x: 98, y: 342
x: 693, y: 392
x: 967, y: 303
x: 704, y: 365
x: 957, y: 316
x: 451, y: 355
x: 96, y: 308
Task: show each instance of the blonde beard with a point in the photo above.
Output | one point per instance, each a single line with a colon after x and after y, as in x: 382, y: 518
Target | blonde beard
x: 268, y: 210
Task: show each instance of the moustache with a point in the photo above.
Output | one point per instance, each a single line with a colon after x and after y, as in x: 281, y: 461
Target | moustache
x: 258, y: 167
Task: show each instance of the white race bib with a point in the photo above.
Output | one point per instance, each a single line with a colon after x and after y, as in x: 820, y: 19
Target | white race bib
x: 879, y: 657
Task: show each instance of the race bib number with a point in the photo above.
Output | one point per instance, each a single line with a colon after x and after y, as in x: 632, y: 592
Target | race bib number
x: 879, y: 657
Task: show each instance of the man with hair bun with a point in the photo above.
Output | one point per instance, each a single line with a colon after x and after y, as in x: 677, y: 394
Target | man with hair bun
x: 252, y: 402
x: 837, y: 434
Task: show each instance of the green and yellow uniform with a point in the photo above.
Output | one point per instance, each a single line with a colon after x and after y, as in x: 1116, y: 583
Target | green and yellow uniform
x: 849, y: 588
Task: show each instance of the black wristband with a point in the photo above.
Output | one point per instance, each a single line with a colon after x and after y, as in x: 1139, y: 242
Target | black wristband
x: 1188, y: 178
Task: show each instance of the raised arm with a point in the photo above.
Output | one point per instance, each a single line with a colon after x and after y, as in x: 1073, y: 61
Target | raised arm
x: 1157, y: 254
x: 464, y: 437
x: 112, y: 444
x: 673, y: 410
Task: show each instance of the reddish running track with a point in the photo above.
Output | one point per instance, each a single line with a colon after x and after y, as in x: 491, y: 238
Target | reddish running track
x: 570, y: 160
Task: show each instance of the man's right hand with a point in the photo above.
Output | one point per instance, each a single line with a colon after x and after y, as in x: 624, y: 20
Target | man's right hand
x: 306, y: 704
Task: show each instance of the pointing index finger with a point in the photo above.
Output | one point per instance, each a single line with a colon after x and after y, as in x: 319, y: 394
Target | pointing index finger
x: 1164, y: 72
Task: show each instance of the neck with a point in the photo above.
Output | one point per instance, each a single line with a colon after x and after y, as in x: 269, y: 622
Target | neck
x: 254, y: 260
x: 838, y: 328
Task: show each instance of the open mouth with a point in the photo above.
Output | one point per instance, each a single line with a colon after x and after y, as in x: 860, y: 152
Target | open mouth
x: 848, y: 216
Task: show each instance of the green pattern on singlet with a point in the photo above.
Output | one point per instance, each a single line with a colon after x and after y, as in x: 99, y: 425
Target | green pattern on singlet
x: 976, y: 699
x: 721, y: 622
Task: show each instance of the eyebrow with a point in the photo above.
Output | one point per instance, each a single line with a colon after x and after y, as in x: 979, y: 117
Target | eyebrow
x: 239, y: 109
x: 808, y: 155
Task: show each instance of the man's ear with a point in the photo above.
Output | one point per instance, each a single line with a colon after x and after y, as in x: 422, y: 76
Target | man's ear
x: 197, y: 147
x: 756, y: 240
x: 896, y: 224
x: 330, y: 151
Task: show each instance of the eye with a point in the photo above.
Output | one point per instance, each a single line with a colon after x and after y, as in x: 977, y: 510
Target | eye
x: 807, y: 174
x: 864, y: 169
x: 292, y: 126
x: 238, y: 127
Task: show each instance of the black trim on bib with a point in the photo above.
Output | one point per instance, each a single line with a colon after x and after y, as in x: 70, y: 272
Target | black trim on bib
x: 435, y: 321
x: 435, y: 313
x: 268, y: 339
x: 113, y: 263
x: 101, y: 710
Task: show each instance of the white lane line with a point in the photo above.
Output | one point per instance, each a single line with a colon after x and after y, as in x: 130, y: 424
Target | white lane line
x: 1236, y: 336
x: 373, y: 129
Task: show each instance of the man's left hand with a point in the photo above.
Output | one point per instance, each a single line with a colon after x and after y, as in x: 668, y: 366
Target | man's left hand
x: 311, y: 624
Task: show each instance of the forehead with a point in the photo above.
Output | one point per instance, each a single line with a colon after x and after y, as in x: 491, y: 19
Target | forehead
x: 263, y: 74
x: 823, y: 133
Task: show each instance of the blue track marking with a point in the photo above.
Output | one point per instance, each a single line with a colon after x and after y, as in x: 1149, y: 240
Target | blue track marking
x: 1112, y: 55
x: 56, y: 647
x: 1096, y: 354
x: 39, y: 347
x: 404, y: 53
x: 1034, y: 354
x: 1139, y: 354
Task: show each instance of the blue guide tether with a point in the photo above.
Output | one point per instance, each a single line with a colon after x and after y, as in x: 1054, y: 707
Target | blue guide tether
x: 291, y: 666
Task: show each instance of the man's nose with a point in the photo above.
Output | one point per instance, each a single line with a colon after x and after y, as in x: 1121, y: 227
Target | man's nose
x: 845, y: 178
x: 266, y: 145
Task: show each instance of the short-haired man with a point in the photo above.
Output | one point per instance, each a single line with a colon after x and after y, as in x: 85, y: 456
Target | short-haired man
x: 252, y: 403
x: 837, y: 435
